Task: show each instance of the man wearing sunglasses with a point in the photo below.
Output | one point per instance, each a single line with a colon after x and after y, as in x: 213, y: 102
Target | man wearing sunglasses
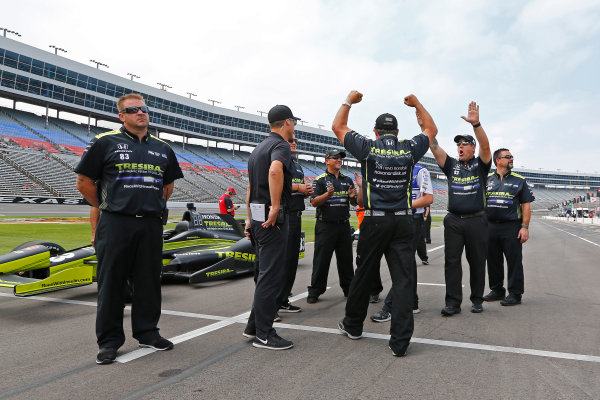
x: 334, y: 192
x: 129, y: 175
x: 387, y: 229
x: 300, y: 190
x: 269, y: 196
x: 509, y: 211
x: 465, y: 225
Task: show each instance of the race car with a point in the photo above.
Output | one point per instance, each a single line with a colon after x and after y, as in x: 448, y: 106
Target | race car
x: 202, y: 247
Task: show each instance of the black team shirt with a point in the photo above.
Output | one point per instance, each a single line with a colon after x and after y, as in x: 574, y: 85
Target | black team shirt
x: 297, y: 203
x: 466, y: 184
x: 337, y: 207
x: 504, y: 197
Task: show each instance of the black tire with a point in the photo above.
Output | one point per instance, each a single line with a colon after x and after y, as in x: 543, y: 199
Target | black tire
x: 55, y: 249
x: 182, y: 226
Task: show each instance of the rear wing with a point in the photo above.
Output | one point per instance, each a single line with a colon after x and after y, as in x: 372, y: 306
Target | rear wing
x: 224, y: 223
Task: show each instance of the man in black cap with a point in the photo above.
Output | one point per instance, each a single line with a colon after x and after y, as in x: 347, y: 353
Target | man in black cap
x: 509, y: 212
x: 333, y: 194
x: 386, y: 166
x: 465, y: 225
x: 269, y: 194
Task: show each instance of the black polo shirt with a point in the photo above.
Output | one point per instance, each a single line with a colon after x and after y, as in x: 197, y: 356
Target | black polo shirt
x: 386, y: 165
x: 466, y: 184
x: 274, y: 147
x: 129, y: 173
x: 505, y: 196
x: 297, y: 203
x: 337, y: 207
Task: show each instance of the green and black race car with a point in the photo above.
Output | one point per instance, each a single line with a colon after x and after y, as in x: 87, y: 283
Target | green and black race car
x: 202, y: 247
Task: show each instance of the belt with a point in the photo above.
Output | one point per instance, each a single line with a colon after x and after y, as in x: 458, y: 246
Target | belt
x: 296, y: 213
x: 140, y: 215
x: 381, y: 213
x: 475, y: 214
x: 333, y: 221
x: 498, y: 221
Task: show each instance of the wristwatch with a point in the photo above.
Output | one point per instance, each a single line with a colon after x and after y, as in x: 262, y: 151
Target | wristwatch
x: 345, y: 103
x: 525, y: 226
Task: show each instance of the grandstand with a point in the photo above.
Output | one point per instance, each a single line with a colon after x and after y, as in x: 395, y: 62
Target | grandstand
x: 38, y: 152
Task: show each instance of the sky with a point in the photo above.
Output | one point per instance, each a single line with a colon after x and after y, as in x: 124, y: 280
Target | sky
x: 532, y: 66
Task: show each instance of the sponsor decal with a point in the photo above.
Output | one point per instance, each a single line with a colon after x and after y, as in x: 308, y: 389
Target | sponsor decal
x: 219, y: 272
x: 237, y: 255
x: 129, y: 166
x: 41, y: 200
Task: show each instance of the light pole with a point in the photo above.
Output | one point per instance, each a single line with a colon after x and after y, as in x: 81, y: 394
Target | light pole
x: 238, y: 107
x: 163, y: 86
x: 214, y: 101
x: 57, y: 49
x: 9, y: 31
x: 191, y: 94
x: 261, y: 112
x: 98, y: 64
x: 131, y: 76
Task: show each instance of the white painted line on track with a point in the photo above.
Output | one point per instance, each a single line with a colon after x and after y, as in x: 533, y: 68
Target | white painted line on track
x: 435, y: 248
x: 572, y: 234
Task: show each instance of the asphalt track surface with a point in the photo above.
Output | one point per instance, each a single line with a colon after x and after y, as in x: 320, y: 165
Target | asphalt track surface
x: 546, y: 348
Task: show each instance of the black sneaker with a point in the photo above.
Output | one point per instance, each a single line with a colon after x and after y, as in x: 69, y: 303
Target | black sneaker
x: 277, y: 318
x: 381, y: 316
x: 289, y: 307
x: 476, y: 308
x: 160, y: 344
x: 397, y: 354
x: 374, y: 298
x: 425, y: 262
x: 449, y: 311
x: 249, y: 333
x: 274, y: 342
x: 106, y: 355
x: 312, y: 299
x: 494, y: 295
x: 511, y: 300
x: 345, y: 332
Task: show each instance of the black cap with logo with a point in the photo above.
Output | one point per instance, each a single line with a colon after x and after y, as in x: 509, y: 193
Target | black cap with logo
x: 280, y: 113
x: 386, y: 122
x: 332, y: 153
x: 467, y: 138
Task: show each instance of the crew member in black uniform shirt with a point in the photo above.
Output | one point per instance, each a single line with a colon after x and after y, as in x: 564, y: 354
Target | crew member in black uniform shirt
x: 300, y: 190
x: 129, y: 175
x: 269, y: 195
x: 386, y: 166
x: 465, y: 225
x: 334, y: 192
x: 509, y: 212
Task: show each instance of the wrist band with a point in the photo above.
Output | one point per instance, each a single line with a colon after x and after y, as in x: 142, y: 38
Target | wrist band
x: 525, y: 226
x: 345, y: 103
x: 477, y: 125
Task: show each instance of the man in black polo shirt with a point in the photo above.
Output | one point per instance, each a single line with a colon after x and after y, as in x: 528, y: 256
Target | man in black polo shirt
x: 509, y: 211
x: 465, y: 225
x: 334, y: 192
x: 386, y: 166
x: 300, y: 190
x: 269, y: 194
x: 129, y: 175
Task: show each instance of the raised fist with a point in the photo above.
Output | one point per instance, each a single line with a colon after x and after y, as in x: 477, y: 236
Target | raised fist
x: 411, y: 100
x: 354, y: 97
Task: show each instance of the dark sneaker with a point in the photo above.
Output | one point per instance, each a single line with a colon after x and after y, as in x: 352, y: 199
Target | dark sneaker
x: 494, y: 296
x: 277, y: 318
x: 289, y: 307
x: 511, y: 300
x: 343, y: 330
x: 274, y: 342
x: 425, y: 262
x: 381, y: 316
x: 476, y: 308
x: 449, y: 311
x: 106, y: 355
x: 374, y: 298
x: 416, y: 310
x: 397, y: 354
x: 249, y: 333
x: 160, y: 344
x: 428, y: 241
x: 312, y: 299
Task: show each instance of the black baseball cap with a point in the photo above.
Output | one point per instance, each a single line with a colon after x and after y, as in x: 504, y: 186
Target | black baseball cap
x: 468, y: 138
x: 331, y: 153
x: 280, y: 113
x: 386, y: 122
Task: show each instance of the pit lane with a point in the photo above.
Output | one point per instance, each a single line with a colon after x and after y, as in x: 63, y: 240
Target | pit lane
x: 546, y: 348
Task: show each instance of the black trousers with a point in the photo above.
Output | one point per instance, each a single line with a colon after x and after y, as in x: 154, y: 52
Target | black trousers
x: 330, y: 236
x: 503, y: 242
x: 472, y: 235
x: 427, y: 228
x: 392, y: 236
x: 128, y: 247
x: 291, y: 257
x: 270, y: 250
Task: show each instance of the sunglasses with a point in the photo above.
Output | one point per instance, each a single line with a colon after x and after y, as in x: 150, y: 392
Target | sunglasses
x: 134, y: 110
x: 464, y: 143
x: 293, y: 140
x: 508, y: 157
x: 295, y: 121
x: 334, y: 157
